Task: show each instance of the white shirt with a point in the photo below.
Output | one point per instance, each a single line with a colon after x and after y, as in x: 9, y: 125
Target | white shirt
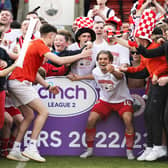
x: 83, y: 66
x: 112, y: 90
x: 12, y: 34
x: 120, y: 54
x: 104, y: 12
x: 100, y: 46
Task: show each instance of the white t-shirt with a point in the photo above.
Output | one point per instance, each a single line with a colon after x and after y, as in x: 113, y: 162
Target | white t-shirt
x: 112, y: 90
x: 83, y: 66
x: 104, y: 12
x: 120, y: 54
x: 100, y: 46
x: 12, y: 34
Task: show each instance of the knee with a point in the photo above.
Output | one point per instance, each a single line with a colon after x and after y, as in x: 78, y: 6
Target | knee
x: 18, y: 120
x: 91, y: 122
x: 45, y: 114
x: 8, y: 122
x: 127, y: 119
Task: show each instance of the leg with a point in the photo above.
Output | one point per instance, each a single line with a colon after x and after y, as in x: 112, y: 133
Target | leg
x: 6, y: 132
x: 90, y: 133
x: 100, y: 110
x: 158, y: 102
x: 129, y: 134
x: 28, y: 117
x: 31, y: 151
x: 15, y: 153
x: 18, y: 118
x: 148, y: 125
x: 23, y: 93
x: 158, y: 105
x: 128, y: 118
x: 41, y: 118
x: 91, y: 128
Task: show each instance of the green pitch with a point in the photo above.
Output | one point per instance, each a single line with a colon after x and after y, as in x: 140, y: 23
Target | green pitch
x: 76, y: 162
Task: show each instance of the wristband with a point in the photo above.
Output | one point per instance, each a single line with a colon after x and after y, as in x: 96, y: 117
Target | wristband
x: 48, y: 87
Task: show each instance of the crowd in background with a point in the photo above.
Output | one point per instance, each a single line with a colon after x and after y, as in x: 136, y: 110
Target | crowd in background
x: 122, y: 56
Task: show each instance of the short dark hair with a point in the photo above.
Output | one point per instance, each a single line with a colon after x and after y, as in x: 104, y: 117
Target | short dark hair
x: 47, y: 28
x: 107, y: 52
x: 66, y: 34
x: 5, y: 9
x: 157, y: 31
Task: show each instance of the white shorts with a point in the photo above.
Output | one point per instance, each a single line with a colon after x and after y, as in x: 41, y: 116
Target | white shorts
x: 21, y: 93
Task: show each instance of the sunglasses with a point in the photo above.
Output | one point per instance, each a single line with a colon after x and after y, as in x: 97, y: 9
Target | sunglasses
x: 134, y: 52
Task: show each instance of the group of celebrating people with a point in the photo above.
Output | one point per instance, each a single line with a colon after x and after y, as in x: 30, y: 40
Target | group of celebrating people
x: 105, y: 53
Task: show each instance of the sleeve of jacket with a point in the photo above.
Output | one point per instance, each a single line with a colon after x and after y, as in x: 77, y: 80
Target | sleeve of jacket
x: 150, y: 53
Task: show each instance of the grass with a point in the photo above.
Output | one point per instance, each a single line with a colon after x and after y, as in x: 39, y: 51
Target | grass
x: 76, y: 162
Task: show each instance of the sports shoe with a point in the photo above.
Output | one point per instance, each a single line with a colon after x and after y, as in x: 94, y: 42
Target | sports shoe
x: 145, y: 153
x: 33, y: 154
x: 16, y: 155
x: 130, y: 155
x: 156, y: 153
x: 87, y: 153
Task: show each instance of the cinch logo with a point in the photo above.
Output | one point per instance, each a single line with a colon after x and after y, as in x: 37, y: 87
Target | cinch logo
x: 73, y: 99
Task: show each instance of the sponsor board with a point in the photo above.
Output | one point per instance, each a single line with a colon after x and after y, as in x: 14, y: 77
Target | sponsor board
x: 74, y: 98
x: 64, y: 131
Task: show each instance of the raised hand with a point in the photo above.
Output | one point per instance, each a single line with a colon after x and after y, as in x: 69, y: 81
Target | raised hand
x: 73, y: 77
x: 123, y: 69
x: 162, y: 81
x: 110, y: 68
x: 54, y: 89
x: 3, y: 64
x: 86, y: 52
x: 154, y: 79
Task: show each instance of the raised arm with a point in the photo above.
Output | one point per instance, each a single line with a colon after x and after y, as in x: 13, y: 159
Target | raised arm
x: 159, y: 7
x: 6, y: 71
x: 156, y: 52
x: 122, y: 41
x: 41, y: 81
x: 75, y: 77
x: 69, y: 59
x: 118, y: 74
x: 143, y: 7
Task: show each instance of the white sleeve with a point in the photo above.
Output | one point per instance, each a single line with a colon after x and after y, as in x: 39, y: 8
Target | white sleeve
x: 12, y: 46
x: 89, y: 13
x: 112, y: 13
x: 124, y: 55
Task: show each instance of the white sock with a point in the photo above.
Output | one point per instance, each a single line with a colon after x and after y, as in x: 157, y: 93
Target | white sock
x: 32, y: 144
x: 16, y: 146
x: 90, y: 149
x: 157, y: 147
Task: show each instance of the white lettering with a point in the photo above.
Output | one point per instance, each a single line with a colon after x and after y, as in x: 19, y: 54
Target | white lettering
x: 54, y: 137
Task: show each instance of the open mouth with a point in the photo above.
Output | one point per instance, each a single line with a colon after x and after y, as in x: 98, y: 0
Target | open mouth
x: 102, y: 65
